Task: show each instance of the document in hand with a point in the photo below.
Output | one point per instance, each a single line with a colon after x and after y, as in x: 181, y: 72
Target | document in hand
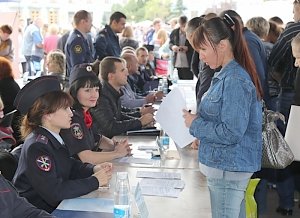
x: 292, y: 136
x: 169, y: 116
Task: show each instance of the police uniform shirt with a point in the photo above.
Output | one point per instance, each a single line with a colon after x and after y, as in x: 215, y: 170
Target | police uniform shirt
x: 79, y: 137
x: 12, y: 205
x: 107, y: 44
x: 46, y: 174
x: 78, y: 50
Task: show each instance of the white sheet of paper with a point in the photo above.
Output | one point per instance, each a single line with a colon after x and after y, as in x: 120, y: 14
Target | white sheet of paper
x: 171, y: 183
x: 292, y: 134
x: 157, y: 175
x: 169, y: 116
x: 160, y: 191
x: 88, y: 204
x: 136, y: 160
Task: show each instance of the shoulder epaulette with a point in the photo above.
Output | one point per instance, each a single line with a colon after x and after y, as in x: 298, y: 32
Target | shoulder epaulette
x: 42, y: 139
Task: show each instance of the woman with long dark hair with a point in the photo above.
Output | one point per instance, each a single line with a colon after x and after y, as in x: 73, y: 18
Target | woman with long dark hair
x: 228, y: 122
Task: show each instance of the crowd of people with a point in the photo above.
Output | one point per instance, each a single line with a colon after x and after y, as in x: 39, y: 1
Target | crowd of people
x: 89, y: 89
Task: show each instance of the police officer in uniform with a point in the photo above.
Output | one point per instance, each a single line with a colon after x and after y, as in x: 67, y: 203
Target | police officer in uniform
x: 79, y: 48
x: 82, y: 142
x: 46, y: 174
x: 107, y: 40
x: 14, y: 206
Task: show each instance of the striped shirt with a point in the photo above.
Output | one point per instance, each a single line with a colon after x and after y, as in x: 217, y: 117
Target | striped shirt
x: 281, y: 54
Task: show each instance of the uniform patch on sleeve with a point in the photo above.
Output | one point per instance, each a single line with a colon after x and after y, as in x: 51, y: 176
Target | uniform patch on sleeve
x: 44, y: 163
x: 77, y: 49
x: 41, y: 138
x: 76, y: 131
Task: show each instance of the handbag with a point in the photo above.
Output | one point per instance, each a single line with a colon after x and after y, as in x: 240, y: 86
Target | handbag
x: 276, y: 152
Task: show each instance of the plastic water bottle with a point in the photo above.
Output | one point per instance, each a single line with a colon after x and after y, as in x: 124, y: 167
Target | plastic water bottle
x: 165, y: 85
x: 160, y: 85
x: 175, y: 76
x: 122, y: 196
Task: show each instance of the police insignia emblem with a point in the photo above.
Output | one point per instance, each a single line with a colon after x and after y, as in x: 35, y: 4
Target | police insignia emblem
x: 41, y: 138
x: 77, y: 49
x: 44, y: 163
x: 76, y: 131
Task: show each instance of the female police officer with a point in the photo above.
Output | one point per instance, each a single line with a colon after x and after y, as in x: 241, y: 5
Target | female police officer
x: 46, y: 174
x: 82, y: 143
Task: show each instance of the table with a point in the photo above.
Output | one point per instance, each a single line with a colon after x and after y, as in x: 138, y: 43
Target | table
x: 192, y: 201
x: 188, y: 156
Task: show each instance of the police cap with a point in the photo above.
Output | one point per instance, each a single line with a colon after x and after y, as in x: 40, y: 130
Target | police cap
x: 82, y: 70
x: 34, y: 89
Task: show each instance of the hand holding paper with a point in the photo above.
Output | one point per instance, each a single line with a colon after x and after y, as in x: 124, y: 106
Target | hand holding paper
x: 188, y: 118
x: 169, y: 116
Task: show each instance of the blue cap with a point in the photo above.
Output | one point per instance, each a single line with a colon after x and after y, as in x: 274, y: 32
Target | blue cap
x: 33, y: 90
x: 80, y: 71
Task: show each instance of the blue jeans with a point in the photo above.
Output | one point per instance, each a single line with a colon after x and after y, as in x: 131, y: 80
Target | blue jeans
x: 227, y: 197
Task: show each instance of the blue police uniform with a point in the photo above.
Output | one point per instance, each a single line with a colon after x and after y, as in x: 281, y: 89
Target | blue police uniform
x: 78, y: 50
x: 79, y: 137
x: 107, y: 44
x: 46, y: 174
x: 12, y: 205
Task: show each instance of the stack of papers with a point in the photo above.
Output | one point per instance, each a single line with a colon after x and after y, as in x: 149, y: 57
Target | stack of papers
x: 134, y: 160
x: 162, y: 184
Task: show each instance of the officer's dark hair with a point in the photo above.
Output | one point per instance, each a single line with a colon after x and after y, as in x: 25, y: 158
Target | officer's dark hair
x: 45, y: 104
x: 80, y: 15
x: 107, y: 66
x: 83, y: 82
x: 116, y: 16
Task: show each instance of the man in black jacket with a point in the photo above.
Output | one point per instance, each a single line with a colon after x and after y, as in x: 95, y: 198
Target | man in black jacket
x: 110, y: 118
x: 182, y: 50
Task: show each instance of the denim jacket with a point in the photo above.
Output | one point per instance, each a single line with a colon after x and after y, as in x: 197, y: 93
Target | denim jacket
x: 229, y: 122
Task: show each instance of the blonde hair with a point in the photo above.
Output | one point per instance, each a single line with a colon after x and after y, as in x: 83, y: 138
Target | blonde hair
x: 53, y: 29
x: 58, y: 58
x: 127, y: 32
x: 259, y: 25
x: 162, y: 35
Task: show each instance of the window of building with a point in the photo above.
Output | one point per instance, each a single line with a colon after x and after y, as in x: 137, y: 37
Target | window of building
x: 52, y: 16
x: 34, y: 13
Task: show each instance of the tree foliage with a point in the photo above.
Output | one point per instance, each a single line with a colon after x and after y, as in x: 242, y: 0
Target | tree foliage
x: 178, y: 9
